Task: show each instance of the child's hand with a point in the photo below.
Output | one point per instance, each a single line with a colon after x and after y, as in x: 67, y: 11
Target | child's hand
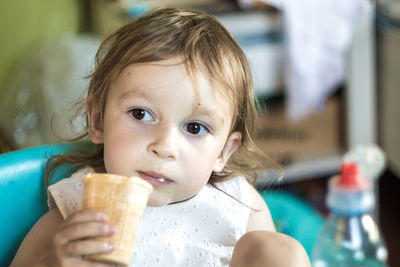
x: 72, y: 241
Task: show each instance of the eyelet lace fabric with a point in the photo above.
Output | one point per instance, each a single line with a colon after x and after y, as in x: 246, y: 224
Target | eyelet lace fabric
x: 201, y: 231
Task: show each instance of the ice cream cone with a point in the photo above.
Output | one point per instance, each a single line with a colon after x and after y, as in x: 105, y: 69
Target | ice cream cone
x: 123, y: 199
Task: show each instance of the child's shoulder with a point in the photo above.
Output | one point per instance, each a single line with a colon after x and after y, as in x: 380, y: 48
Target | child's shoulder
x: 259, y: 217
x: 235, y: 183
x: 66, y: 194
x: 239, y: 188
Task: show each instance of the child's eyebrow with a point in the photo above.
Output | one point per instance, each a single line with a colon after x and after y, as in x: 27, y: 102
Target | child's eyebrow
x: 130, y: 94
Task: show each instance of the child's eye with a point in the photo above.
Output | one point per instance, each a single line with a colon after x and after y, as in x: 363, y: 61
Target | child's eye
x: 141, y: 114
x: 196, y: 128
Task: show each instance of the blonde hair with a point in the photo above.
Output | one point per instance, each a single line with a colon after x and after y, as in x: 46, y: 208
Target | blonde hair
x: 205, y: 46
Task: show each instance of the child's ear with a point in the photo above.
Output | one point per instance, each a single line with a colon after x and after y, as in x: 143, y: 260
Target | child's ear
x: 231, y: 145
x: 95, y: 125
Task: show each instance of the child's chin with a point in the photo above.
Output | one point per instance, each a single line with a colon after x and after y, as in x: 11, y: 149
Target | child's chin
x: 157, y: 200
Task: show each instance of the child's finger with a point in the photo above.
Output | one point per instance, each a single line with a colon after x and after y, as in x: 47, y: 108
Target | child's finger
x: 82, y: 230
x: 84, y: 247
x: 85, y: 216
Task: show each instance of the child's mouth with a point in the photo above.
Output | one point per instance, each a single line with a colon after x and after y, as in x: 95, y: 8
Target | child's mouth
x: 154, y: 178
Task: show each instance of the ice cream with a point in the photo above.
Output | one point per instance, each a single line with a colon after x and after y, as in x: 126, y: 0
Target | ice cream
x: 123, y: 199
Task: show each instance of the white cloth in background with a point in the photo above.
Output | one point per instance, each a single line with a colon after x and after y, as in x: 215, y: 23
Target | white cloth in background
x: 40, y: 99
x: 201, y: 231
x: 318, y: 35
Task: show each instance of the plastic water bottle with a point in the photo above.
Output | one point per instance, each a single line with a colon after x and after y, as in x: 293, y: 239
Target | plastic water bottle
x: 350, y: 237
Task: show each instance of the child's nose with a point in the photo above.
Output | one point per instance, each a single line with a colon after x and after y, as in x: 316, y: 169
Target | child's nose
x: 164, y: 144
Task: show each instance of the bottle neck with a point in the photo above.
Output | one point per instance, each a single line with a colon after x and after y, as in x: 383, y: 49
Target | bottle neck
x: 336, y: 211
x: 350, y: 200
x: 355, y: 203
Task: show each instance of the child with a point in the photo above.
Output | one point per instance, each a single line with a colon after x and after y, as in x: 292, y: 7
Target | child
x: 170, y: 100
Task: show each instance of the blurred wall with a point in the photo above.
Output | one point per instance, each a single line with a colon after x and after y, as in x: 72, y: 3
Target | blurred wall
x: 26, y: 23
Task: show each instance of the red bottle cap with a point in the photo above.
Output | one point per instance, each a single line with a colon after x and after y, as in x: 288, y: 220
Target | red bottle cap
x: 350, y: 176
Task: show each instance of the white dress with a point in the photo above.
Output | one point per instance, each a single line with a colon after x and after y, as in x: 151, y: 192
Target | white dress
x: 201, y: 231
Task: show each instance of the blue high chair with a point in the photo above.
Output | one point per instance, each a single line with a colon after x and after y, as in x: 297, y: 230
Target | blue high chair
x: 23, y: 200
x: 23, y: 197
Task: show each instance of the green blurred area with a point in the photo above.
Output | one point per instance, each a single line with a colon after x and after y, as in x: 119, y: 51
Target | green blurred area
x: 24, y: 24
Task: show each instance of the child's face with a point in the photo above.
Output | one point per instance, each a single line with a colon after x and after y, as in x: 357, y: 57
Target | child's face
x: 158, y: 125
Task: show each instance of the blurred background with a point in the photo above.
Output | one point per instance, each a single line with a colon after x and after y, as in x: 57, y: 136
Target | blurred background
x: 326, y: 77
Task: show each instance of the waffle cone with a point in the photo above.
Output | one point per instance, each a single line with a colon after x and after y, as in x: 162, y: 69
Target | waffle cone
x: 123, y: 199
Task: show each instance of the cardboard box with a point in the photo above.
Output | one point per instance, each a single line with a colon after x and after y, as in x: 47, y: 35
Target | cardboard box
x: 389, y: 95
x: 318, y: 135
